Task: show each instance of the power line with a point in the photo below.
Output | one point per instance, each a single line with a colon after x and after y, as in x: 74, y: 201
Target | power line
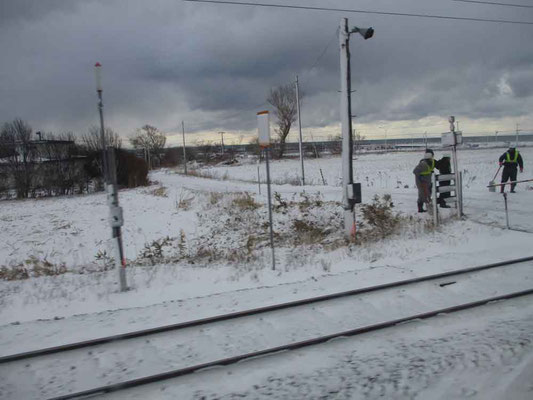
x: 395, y: 14
x: 492, y: 3
x: 325, y: 50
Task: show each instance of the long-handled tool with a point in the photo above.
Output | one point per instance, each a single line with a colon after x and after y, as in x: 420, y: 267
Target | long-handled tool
x: 492, y: 188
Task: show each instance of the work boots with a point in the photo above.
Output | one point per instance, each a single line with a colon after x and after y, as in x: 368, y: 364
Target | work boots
x: 420, y: 207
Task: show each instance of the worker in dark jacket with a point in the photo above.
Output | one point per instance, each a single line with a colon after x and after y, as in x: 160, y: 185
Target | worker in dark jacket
x: 511, y: 160
x: 423, y: 172
x: 444, y: 166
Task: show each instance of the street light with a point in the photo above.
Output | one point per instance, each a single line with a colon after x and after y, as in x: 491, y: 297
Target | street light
x: 366, y: 33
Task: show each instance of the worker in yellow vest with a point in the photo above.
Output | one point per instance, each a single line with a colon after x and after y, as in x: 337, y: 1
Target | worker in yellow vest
x: 511, y: 160
x: 423, y: 172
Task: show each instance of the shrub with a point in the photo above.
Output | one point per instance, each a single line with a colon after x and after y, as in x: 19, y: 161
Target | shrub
x: 307, y: 233
x: 379, y: 215
x: 132, y: 171
x: 184, y: 201
x: 154, y: 251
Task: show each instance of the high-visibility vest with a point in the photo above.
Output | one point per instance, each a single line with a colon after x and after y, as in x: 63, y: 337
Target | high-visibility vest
x: 514, y: 160
x: 430, y: 169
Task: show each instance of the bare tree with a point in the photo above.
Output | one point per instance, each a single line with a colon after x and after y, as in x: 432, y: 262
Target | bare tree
x: 283, y: 99
x: 151, y: 140
x: 92, y: 140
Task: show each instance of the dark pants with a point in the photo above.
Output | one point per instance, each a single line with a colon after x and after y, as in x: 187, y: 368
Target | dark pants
x: 509, y: 173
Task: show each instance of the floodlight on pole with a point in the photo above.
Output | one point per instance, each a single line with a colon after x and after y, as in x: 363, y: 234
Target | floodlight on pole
x: 366, y: 33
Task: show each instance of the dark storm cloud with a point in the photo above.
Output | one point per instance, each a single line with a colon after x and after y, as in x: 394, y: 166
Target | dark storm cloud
x: 213, y: 65
x: 12, y: 11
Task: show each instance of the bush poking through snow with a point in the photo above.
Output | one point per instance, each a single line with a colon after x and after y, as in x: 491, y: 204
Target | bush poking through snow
x: 105, y: 259
x: 214, y: 197
x: 279, y: 203
x: 380, y: 217
x: 184, y: 201
x: 309, y: 201
x: 307, y: 232
x: 153, y: 252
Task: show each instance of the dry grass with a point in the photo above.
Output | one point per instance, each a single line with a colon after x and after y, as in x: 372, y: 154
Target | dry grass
x: 184, y: 200
x: 161, y: 191
x: 243, y: 201
x: 31, y: 268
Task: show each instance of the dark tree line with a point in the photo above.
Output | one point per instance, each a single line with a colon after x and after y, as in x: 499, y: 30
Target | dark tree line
x: 57, y: 165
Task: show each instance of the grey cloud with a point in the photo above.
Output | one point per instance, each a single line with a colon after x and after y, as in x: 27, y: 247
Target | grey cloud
x: 212, y: 64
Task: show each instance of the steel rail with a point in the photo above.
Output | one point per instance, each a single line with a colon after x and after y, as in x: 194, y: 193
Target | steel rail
x: 246, y: 313
x: 293, y: 346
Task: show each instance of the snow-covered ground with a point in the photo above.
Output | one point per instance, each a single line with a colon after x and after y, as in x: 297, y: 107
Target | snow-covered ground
x: 215, y: 261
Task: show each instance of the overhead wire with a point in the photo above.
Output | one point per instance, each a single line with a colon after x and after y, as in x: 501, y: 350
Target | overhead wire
x: 318, y: 59
x: 493, y: 3
x: 348, y: 10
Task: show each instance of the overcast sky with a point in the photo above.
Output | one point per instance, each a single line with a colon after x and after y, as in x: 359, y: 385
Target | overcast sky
x: 212, y: 65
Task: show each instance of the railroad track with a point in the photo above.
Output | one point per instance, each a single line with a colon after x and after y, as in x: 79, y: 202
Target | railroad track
x: 306, y: 322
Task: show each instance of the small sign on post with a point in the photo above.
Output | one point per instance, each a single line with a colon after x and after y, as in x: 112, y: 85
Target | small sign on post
x: 263, y: 128
x: 263, y: 133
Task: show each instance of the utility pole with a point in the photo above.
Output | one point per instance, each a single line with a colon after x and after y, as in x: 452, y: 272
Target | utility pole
x: 349, y: 197
x: 300, y: 130
x: 458, y: 182
x: 116, y: 218
x: 516, y: 138
x: 346, y: 125
x: 184, y: 153
x: 222, y: 141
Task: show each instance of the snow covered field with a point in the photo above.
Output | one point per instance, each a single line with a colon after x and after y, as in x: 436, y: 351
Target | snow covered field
x: 216, y: 261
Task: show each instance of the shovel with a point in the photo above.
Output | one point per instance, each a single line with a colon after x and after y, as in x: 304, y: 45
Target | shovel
x: 493, y: 188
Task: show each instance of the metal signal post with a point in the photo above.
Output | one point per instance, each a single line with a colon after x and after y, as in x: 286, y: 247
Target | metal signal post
x: 116, y: 219
x: 263, y: 130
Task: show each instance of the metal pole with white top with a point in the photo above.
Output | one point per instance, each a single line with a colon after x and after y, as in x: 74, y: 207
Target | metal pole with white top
x: 116, y: 218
